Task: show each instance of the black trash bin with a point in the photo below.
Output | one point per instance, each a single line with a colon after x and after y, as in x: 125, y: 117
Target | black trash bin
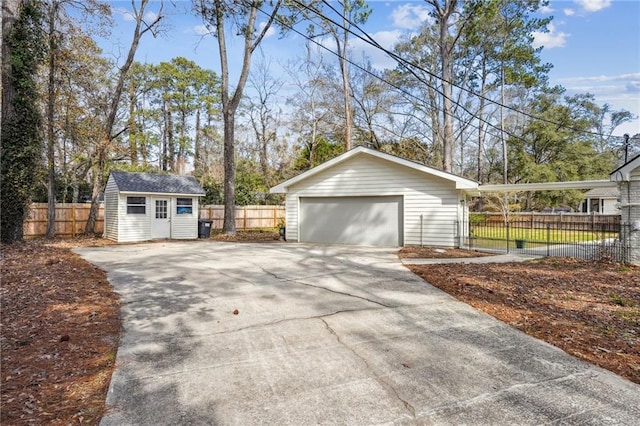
x: 204, y: 228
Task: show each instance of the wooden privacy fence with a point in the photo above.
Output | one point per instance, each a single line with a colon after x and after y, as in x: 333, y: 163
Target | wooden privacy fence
x: 247, y: 217
x: 585, y: 221
x: 71, y: 219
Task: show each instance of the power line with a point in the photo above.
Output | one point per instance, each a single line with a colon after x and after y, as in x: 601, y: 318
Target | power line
x: 398, y: 88
x: 403, y: 62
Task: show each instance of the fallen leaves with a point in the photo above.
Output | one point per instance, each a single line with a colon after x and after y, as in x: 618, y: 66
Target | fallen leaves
x: 590, y: 310
x: 60, y: 331
x: 438, y: 253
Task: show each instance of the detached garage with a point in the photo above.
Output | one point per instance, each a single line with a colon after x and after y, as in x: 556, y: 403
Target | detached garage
x: 145, y: 206
x: 366, y: 197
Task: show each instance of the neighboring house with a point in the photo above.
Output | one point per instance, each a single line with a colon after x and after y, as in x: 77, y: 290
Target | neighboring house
x: 366, y: 197
x: 601, y: 200
x: 144, y: 206
x: 628, y: 178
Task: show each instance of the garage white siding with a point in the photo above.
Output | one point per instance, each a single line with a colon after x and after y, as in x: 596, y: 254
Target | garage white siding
x: 351, y: 220
x: 430, y: 203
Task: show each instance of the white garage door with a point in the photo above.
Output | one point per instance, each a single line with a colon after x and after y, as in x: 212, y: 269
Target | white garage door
x: 373, y: 221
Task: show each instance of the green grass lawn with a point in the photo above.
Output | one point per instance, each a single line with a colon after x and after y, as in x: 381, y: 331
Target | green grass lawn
x: 533, y: 235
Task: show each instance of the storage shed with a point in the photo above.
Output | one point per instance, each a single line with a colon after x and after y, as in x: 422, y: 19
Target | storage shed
x: 145, y: 206
x: 366, y: 197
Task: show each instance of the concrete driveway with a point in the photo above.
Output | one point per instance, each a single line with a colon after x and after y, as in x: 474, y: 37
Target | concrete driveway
x: 327, y: 335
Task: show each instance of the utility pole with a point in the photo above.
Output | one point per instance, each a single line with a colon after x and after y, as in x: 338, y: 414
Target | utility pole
x: 626, y: 147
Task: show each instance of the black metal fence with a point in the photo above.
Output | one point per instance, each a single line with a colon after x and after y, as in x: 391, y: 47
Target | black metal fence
x: 587, y: 239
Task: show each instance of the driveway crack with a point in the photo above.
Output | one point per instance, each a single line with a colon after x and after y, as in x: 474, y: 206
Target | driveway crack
x: 479, y: 399
x: 386, y: 384
x: 342, y: 293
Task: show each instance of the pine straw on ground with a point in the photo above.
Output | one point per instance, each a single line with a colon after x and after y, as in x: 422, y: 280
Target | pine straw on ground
x: 589, y: 310
x: 246, y: 236
x: 60, y: 332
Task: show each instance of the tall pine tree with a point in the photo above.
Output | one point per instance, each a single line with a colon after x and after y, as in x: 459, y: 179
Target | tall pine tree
x: 21, y: 121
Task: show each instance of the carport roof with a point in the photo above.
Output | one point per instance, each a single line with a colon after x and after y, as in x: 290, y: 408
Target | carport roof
x: 461, y: 183
x: 156, y: 184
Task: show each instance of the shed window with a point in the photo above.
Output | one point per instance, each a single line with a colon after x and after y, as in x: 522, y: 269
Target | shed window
x: 136, y: 205
x: 184, y: 206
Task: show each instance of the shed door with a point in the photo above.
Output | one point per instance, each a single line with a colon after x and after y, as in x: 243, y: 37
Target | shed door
x: 373, y: 221
x: 161, y: 225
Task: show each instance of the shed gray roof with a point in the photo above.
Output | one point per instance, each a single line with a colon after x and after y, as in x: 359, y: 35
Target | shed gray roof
x: 154, y: 183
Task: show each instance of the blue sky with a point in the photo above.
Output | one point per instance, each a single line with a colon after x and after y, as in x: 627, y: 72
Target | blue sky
x: 594, y: 45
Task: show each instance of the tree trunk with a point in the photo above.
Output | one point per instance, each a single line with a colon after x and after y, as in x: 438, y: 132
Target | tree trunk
x: 10, y: 9
x: 447, y: 104
x: 197, y: 166
x: 346, y: 91
x: 229, y: 225
x: 133, y: 137
x: 505, y: 167
x: 165, y: 139
x: 481, y: 122
x: 99, y: 169
x: 51, y: 99
x: 170, y: 144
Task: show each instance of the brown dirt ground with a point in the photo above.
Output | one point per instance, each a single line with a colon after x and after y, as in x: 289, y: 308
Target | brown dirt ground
x: 438, y: 253
x: 60, y: 331
x: 589, y: 310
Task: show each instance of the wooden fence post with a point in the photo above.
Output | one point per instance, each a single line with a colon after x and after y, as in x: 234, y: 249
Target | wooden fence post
x: 73, y: 220
x: 244, y: 218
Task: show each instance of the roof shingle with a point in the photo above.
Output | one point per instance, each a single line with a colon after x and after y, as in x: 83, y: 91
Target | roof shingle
x: 154, y: 183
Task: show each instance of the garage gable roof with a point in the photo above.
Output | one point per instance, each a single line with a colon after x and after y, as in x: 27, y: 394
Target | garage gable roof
x: 624, y: 172
x: 461, y: 183
x: 156, y: 184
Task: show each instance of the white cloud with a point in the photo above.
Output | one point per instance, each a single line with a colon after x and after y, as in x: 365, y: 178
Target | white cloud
x: 127, y: 15
x: 621, y: 91
x: 410, y: 16
x: 593, y: 5
x: 550, y: 39
x: 201, y: 30
x: 546, y: 9
x: 150, y: 16
x: 271, y: 31
x: 632, y: 78
x: 379, y: 59
x: 569, y: 12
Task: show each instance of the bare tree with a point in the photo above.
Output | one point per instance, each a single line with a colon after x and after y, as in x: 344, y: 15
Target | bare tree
x: 59, y: 29
x: 220, y: 16
x: 100, y: 155
x: 349, y: 13
x: 445, y: 11
x: 263, y: 117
